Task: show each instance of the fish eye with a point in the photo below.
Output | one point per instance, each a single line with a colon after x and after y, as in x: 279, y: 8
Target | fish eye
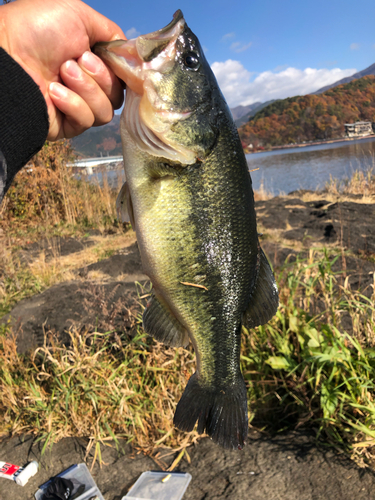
x: 191, y: 61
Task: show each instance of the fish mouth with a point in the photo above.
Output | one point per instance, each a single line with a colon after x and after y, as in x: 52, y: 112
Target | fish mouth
x: 149, y: 46
x: 130, y: 59
x: 147, y: 116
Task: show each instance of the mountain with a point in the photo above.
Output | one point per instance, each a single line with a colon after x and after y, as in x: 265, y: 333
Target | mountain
x: 365, y: 72
x: 96, y: 141
x: 240, y: 111
x: 107, y: 140
x: 312, y: 117
x: 246, y: 117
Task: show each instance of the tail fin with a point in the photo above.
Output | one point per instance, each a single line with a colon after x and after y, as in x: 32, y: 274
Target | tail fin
x: 220, y: 413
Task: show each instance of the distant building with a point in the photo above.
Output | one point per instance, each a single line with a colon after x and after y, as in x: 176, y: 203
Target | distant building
x: 358, y: 129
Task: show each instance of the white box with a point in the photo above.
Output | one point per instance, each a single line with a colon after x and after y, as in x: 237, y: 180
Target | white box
x: 150, y: 486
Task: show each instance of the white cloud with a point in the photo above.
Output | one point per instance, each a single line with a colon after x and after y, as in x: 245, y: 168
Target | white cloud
x: 240, y: 47
x: 239, y: 86
x: 132, y: 33
x: 354, y: 46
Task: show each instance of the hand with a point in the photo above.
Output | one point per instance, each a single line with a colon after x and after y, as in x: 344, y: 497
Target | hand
x: 51, y: 40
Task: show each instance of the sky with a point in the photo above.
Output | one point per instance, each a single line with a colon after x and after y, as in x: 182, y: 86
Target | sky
x: 264, y: 49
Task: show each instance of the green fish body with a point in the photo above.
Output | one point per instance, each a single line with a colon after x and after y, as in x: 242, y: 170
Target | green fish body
x: 189, y: 197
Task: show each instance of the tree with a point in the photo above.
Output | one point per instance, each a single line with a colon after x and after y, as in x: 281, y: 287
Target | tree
x: 312, y: 117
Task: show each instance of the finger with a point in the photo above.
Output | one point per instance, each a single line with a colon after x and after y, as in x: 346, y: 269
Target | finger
x: 77, y: 115
x: 103, y: 76
x: 86, y: 87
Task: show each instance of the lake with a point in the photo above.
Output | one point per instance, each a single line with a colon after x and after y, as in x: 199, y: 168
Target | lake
x: 310, y: 167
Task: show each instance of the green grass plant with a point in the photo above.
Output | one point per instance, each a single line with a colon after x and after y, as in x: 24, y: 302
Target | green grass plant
x: 302, y: 368
x: 312, y: 365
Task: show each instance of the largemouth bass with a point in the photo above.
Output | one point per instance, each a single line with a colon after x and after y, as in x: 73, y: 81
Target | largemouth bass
x: 189, y: 198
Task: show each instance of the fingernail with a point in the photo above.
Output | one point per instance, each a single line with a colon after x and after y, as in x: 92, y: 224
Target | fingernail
x: 73, y: 69
x: 91, y: 62
x: 58, y: 90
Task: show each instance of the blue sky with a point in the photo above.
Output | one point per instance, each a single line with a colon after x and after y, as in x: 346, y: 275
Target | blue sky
x: 265, y: 49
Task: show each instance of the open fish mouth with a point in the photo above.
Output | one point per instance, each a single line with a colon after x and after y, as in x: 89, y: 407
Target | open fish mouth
x: 142, y: 63
x: 131, y: 59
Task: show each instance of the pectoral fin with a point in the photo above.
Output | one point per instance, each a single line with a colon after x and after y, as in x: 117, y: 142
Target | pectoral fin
x: 265, y: 296
x: 124, y: 206
x: 160, y: 323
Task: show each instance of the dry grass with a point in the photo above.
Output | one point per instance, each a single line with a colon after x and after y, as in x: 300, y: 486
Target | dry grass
x: 104, y: 246
x: 102, y: 387
x: 361, y: 183
x: 46, y: 201
x: 45, y: 198
x: 21, y: 277
x: 302, y: 368
x: 262, y: 194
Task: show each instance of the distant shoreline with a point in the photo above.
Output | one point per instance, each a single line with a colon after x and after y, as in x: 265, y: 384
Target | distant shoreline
x: 315, y: 143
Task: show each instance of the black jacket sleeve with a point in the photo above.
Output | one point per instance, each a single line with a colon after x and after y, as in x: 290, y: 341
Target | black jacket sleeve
x: 23, y: 119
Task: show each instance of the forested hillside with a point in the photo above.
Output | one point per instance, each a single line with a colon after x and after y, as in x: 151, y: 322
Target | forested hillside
x: 312, y: 117
x: 96, y: 141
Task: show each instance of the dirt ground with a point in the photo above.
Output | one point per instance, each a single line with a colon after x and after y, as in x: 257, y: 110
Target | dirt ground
x: 285, y: 467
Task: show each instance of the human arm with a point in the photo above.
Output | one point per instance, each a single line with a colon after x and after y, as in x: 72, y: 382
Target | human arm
x: 50, y: 40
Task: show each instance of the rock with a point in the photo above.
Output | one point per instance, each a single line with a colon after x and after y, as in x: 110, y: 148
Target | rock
x: 347, y: 225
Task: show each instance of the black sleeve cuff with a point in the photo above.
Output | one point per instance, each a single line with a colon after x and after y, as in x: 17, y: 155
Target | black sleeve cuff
x: 23, y: 118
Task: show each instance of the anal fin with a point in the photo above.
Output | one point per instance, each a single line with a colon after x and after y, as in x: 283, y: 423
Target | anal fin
x: 160, y: 323
x: 265, y: 296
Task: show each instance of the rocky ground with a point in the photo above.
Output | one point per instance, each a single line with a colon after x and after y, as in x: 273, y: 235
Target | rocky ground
x: 287, y: 467
x: 100, y: 297
x: 103, y: 294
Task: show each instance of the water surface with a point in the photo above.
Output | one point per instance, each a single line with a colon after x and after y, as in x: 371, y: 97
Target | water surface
x: 286, y: 170
x: 310, y: 167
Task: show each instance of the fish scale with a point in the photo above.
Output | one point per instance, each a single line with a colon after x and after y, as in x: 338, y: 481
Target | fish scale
x: 190, y: 198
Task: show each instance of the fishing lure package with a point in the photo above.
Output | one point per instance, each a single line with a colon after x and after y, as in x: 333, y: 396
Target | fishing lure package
x: 75, y: 483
